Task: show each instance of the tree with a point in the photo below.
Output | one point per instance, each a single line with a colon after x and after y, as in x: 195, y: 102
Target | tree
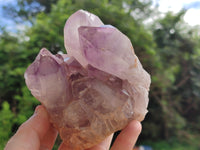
x: 173, y: 83
x: 169, y: 51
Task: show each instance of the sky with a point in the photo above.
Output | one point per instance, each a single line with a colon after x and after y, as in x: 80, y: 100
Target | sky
x: 192, y: 16
x: 8, y: 23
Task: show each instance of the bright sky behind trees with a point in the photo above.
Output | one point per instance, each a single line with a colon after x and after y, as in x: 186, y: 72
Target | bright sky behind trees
x: 191, y: 17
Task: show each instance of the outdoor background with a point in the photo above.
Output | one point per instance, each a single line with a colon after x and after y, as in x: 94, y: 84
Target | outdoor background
x: 165, y: 38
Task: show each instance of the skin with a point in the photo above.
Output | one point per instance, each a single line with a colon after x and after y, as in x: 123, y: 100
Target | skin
x: 37, y: 133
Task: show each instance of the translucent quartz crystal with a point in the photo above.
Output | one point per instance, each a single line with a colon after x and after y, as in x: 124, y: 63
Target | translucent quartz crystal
x: 95, y: 89
x: 71, y: 35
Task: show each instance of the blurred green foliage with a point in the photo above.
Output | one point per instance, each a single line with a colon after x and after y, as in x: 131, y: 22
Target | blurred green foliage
x: 168, y: 48
x: 174, y: 144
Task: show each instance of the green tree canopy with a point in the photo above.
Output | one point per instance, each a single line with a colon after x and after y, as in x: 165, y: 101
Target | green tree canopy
x: 169, y: 50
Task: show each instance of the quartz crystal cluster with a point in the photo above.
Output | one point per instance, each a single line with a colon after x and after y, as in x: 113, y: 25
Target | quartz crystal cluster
x: 95, y: 89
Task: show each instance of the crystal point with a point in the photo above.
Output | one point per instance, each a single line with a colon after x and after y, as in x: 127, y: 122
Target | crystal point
x: 95, y: 89
x: 71, y: 36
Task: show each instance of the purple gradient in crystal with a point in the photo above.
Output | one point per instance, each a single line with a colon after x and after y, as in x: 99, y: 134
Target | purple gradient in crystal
x: 71, y: 36
x: 95, y: 89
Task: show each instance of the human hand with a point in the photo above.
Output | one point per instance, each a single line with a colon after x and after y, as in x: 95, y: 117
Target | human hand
x: 37, y: 133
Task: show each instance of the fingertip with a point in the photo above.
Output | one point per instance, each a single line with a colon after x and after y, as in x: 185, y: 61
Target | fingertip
x: 135, y: 126
x: 128, y: 136
x: 39, y: 122
x: 40, y: 110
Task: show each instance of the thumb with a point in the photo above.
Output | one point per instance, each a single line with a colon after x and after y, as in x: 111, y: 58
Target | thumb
x: 31, y: 132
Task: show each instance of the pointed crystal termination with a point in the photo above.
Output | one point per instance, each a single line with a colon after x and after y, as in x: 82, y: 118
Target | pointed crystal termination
x: 71, y: 36
x: 94, y: 90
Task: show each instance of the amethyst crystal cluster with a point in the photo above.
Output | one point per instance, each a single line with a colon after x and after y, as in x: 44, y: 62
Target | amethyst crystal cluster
x: 95, y: 89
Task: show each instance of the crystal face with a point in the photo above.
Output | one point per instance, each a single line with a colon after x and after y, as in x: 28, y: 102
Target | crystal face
x: 95, y: 89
